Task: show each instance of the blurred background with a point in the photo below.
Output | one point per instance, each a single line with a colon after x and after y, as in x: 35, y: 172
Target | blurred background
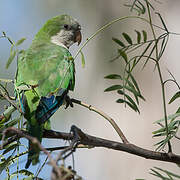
x: 19, y: 18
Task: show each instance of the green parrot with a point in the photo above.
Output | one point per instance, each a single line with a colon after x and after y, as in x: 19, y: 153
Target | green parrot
x: 45, y: 74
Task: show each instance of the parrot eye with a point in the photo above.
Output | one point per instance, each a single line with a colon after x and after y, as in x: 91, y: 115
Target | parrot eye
x: 79, y: 27
x: 66, y: 27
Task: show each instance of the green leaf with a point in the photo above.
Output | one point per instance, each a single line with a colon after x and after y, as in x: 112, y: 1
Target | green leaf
x: 143, y: 9
x: 21, y: 51
x: 7, y: 114
x: 149, y: 56
x: 143, y: 53
x: 178, y: 110
x: 136, y: 85
x: 170, y: 117
x: 12, y: 177
x: 177, y: 95
x: 163, y: 44
x: 30, y: 178
x: 6, y: 162
x: 138, y: 36
x: 9, y: 124
x: 113, y: 88
x: 172, y: 127
x: 132, y: 90
x: 4, y: 34
x: 157, y: 174
x: 168, y: 172
x: 120, y: 101
x: 163, y: 143
x: 10, y: 147
x: 120, y: 92
x: 127, y: 37
x: 123, y: 55
x: 24, y: 172
x: 144, y: 35
x: 10, y: 41
x: 162, y: 22
x: 2, y: 164
x: 134, y: 106
x: 11, y: 57
x: 113, y: 76
x: 82, y: 59
x: 134, y: 81
x: 6, y: 80
x: 118, y: 42
x: 128, y: 103
x: 20, y: 41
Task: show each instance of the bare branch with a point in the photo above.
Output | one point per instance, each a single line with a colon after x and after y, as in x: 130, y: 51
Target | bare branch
x: 104, y: 115
x: 86, y: 139
x: 10, y: 101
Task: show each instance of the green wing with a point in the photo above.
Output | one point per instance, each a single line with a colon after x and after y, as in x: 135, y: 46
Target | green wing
x: 48, y: 67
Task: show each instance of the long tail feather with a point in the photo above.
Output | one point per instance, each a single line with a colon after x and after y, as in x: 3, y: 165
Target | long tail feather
x: 36, y: 117
x: 34, y: 151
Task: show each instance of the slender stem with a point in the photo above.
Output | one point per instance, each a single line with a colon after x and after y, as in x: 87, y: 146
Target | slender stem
x: 10, y: 101
x: 39, y: 170
x: 106, y: 26
x: 160, y: 76
x: 104, y: 115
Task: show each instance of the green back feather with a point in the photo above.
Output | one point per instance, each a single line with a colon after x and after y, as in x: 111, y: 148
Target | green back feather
x: 48, y: 66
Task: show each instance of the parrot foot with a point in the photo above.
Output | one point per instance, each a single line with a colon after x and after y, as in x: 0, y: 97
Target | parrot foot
x: 74, y: 143
x: 68, y: 101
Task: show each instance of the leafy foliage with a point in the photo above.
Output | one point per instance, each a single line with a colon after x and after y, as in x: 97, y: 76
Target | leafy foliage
x: 82, y: 59
x: 158, y: 172
x: 173, y: 126
x: 152, y: 48
x: 139, y: 6
x: 13, y: 50
x: 129, y: 85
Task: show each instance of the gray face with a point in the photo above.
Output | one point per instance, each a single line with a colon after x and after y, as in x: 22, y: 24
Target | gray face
x: 68, y: 35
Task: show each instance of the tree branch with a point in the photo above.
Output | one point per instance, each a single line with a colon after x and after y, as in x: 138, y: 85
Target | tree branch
x: 89, y: 140
x: 104, y: 115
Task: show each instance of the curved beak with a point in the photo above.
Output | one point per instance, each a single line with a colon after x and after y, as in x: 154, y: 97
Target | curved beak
x: 78, y: 36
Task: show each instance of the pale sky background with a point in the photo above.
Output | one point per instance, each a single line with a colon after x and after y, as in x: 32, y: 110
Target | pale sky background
x: 20, y: 18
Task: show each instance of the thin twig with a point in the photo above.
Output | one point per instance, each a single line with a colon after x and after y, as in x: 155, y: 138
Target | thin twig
x: 92, y: 141
x: 104, y: 115
x: 10, y: 101
x: 160, y: 75
x: 8, y: 141
x: 89, y: 140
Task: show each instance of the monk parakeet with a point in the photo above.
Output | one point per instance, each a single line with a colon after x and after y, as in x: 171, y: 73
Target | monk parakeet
x: 45, y: 74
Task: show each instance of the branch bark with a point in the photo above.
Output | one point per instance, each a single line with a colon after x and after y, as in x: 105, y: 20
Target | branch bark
x: 93, y: 141
x: 89, y: 140
x: 105, y: 116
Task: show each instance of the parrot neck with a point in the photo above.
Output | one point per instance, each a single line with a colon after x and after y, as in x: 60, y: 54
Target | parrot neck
x: 57, y: 42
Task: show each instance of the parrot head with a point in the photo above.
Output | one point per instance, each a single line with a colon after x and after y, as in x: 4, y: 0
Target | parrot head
x: 61, y: 30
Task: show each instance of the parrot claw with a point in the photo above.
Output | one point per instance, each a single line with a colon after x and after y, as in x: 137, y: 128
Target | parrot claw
x: 68, y: 102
